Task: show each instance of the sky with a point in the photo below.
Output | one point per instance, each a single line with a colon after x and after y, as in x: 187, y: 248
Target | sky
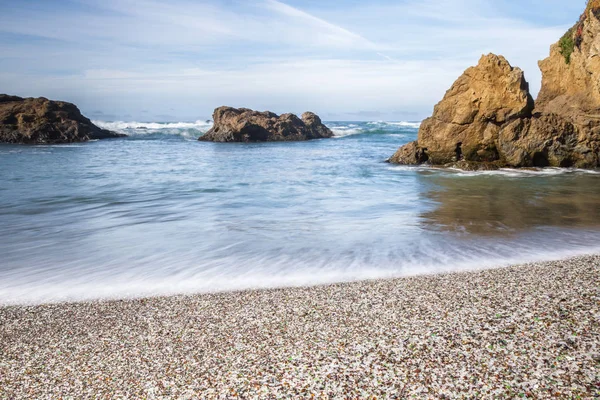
x: 177, y: 60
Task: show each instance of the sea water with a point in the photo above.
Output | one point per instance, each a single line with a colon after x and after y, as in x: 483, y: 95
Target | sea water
x: 161, y: 213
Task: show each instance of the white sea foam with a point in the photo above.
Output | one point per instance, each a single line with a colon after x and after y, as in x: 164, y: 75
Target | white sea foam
x: 406, y: 124
x: 126, y: 127
x: 526, y: 173
x: 180, y: 128
x: 342, y: 131
x: 415, y: 125
x: 508, y: 172
x: 122, y: 285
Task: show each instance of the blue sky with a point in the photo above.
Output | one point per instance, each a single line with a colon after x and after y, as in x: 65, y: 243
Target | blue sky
x: 150, y: 60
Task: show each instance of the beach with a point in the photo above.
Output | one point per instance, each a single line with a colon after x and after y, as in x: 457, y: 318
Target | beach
x: 529, y: 331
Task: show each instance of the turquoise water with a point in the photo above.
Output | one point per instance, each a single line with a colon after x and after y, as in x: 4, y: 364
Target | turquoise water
x: 161, y: 213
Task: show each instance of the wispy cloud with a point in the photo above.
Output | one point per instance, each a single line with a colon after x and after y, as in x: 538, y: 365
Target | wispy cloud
x: 124, y: 56
x: 331, y: 34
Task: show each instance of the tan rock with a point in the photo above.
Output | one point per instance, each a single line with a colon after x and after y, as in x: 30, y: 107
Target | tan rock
x: 573, y: 86
x: 486, y: 116
x: 244, y: 125
x: 568, y: 106
x: 466, y: 123
x: 546, y: 140
x: 409, y: 154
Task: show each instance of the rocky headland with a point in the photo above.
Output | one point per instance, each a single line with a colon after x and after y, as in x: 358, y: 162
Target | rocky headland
x: 488, y: 119
x: 244, y: 125
x: 41, y: 121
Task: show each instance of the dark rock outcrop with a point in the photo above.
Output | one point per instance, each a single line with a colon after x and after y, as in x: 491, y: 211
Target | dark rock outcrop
x: 488, y: 119
x: 244, y: 125
x: 39, y: 121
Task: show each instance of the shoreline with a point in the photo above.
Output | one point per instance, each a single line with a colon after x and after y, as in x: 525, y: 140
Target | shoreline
x: 474, y: 267
x: 529, y: 330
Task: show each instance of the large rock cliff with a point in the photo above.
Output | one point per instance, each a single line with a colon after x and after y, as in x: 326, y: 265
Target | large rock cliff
x: 467, y: 122
x: 488, y: 120
x: 244, y: 125
x: 571, y: 75
x: 39, y: 121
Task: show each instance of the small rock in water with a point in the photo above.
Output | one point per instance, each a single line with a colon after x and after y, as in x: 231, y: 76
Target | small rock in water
x: 244, y: 125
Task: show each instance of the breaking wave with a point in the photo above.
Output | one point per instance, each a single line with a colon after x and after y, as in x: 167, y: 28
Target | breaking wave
x: 414, y: 125
x: 192, y: 130
x: 124, y: 127
x: 341, y: 130
x: 184, y: 273
x: 135, y: 130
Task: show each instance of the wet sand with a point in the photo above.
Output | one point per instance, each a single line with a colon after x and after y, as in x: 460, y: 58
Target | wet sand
x: 525, y: 331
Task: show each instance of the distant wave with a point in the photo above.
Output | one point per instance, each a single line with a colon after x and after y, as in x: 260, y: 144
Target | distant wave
x: 122, y: 126
x: 189, y: 131
x: 186, y: 129
x: 343, y: 129
x: 347, y: 130
x: 406, y: 124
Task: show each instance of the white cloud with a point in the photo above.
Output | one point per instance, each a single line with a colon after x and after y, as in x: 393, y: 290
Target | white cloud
x: 124, y: 56
x: 325, y: 86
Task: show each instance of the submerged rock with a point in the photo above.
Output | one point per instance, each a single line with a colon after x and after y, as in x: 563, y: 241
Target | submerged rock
x: 39, y: 120
x: 244, y: 125
x: 488, y: 116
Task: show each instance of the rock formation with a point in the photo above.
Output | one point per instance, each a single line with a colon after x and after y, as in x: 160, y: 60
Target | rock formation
x: 488, y: 120
x: 39, y: 120
x: 244, y: 125
x: 467, y: 122
x: 571, y: 75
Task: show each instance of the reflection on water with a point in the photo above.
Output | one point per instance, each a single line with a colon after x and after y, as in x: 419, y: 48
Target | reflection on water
x: 484, y: 204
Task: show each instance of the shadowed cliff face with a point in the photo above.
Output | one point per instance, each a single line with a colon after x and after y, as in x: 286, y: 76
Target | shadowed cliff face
x: 37, y: 121
x: 485, y: 121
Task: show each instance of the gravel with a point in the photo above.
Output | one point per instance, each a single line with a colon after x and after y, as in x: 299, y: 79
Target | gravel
x: 529, y: 331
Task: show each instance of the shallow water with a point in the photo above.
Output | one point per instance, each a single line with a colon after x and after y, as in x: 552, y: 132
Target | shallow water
x: 161, y: 213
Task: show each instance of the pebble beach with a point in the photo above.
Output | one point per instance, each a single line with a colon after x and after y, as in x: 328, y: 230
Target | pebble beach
x: 527, y: 331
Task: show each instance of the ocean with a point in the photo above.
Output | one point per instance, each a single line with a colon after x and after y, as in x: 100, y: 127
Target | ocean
x: 159, y: 213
